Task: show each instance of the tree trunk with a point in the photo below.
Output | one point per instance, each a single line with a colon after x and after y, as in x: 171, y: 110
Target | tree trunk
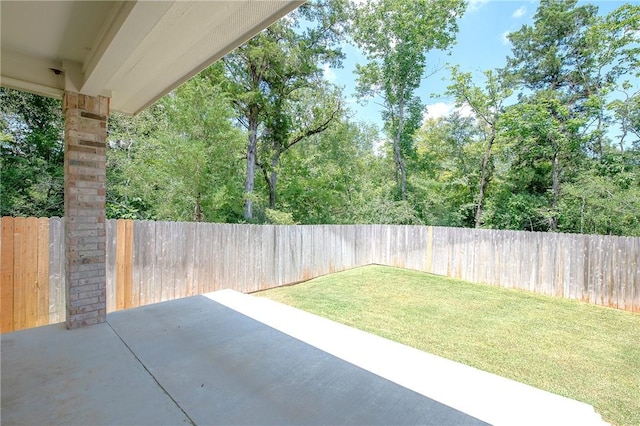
x: 397, y: 154
x: 251, y: 163
x: 400, y: 168
x: 273, y: 180
x: 484, y: 178
x: 555, y: 191
x: 198, y: 209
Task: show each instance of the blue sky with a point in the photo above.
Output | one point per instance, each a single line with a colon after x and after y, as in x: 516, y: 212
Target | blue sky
x: 481, y: 45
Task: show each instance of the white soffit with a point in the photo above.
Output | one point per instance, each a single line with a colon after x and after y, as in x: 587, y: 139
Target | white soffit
x: 133, y: 51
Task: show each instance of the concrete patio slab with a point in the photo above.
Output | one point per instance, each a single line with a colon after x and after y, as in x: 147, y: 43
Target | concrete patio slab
x: 230, y: 358
x: 195, y: 361
x: 223, y: 367
x: 54, y: 376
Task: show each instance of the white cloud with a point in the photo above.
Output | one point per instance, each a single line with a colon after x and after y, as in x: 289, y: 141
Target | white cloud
x: 476, y: 4
x: 441, y: 109
x: 438, y: 110
x: 519, y: 12
x: 329, y: 74
x: 504, y: 38
x: 466, y: 111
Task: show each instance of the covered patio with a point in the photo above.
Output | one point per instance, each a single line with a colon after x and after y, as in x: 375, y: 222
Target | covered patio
x: 220, y: 358
x: 99, y: 56
x: 231, y: 358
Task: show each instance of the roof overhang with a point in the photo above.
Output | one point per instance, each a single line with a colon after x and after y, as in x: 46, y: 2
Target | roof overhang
x: 132, y: 51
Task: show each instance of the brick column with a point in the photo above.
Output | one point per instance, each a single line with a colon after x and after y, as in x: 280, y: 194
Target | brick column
x: 85, y: 132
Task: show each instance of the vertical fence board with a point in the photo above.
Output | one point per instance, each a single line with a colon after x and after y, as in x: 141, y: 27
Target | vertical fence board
x: 619, y: 266
x: 215, y: 256
x: 31, y: 271
x: 7, y: 274
x: 120, y: 288
x: 634, y: 274
x: 131, y: 297
x: 201, y: 250
x: 21, y: 260
x: 159, y: 261
x: 199, y: 258
x: 42, y: 279
x: 169, y: 262
x: 142, y: 275
x: 56, y: 277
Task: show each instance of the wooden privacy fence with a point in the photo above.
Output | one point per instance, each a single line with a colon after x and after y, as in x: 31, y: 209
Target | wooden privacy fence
x: 149, y: 262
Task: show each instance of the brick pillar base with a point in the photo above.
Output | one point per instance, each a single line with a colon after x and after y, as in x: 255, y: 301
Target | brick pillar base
x: 85, y: 133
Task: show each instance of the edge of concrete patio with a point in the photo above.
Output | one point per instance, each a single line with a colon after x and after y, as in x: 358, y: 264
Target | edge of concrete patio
x: 485, y: 396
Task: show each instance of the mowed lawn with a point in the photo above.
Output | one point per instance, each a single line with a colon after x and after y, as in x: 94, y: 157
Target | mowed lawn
x: 570, y: 348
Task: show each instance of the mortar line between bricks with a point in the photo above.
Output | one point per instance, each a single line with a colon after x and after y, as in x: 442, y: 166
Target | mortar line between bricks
x: 151, y: 374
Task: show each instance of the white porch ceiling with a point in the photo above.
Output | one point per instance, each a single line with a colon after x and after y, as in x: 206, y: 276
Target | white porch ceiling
x: 132, y: 51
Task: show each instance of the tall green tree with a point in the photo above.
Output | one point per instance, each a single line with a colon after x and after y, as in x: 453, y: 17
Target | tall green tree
x: 395, y: 36
x: 269, y: 72
x: 326, y: 174
x: 605, y: 196
x: 187, y: 166
x: 32, y: 155
x: 569, y: 63
x: 548, y: 58
x: 487, y: 104
x: 611, y: 74
x: 293, y: 118
x: 543, y: 150
x: 445, y: 170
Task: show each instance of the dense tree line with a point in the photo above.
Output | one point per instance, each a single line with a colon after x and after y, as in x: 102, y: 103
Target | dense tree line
x: 551, y: 143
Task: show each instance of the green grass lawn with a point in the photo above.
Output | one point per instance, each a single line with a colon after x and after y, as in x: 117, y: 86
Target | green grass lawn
x: 570, y: 348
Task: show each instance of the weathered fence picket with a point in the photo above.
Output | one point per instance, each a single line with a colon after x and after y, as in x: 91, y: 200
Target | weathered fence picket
x: 149, y: 262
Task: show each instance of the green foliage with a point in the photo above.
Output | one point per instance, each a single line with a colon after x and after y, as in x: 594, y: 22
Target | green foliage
x: 278, y: 217
x: 446, y: 171
x: 604, y: 199
x: 186, y: 166
x: 32, y: 155
x: 395, y: 36
x: 547, y: 160
x: 273, y: 78
x: 571, y: 60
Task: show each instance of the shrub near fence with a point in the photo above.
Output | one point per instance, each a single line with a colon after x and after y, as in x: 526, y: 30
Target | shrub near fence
x: 149, y: 262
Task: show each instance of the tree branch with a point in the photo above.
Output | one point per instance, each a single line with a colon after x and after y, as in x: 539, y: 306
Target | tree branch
x: 310, y: 132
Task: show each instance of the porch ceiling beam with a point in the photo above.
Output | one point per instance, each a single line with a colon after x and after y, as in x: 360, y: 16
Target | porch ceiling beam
x: 132, y: 51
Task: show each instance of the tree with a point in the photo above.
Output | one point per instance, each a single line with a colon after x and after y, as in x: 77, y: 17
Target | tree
x: 487, y: 105
x: 32, y: 155
x: 395, y: 36
x: 308, y: 111
x: 605, y: 197
x: 269, y: 72
x: 127, y: 135
x: 614, y: 50
x: 548, y: 59
x: 627, y: 112
x: 444, y: 171
x: 545, y: 146
x: 187, y: 167
x: 569, y: 62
